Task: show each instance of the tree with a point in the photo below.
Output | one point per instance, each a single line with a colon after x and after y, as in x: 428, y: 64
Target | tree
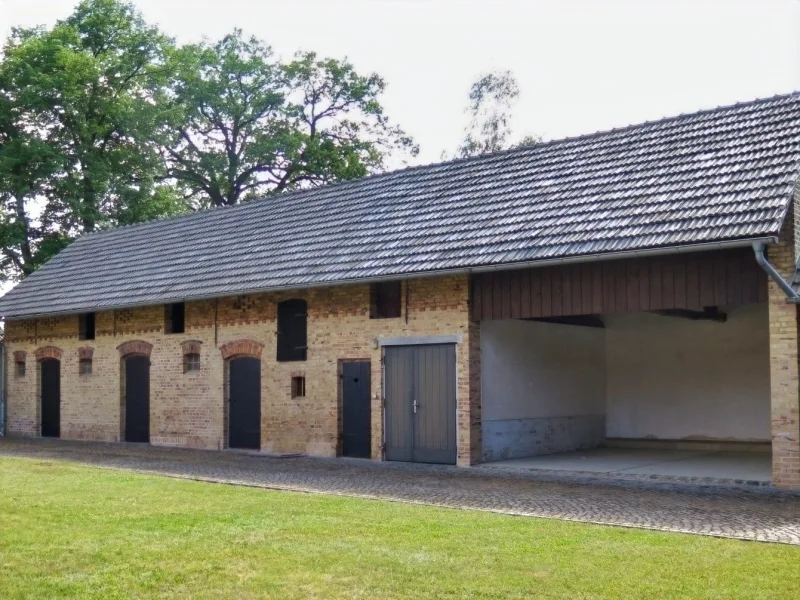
x: 81, y: 109
x: 104, y: 121
x: 491, y: 101
x: 249, y: 125
x: 25, y: 163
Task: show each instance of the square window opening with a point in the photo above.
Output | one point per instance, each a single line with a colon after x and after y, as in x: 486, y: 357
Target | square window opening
x: 20, y: 369
x: 191, y: 362
x: 385, y: 300
x: 86, y: 323
x: 85, y: 366
x: 175, y: 317
x: 298, y: 387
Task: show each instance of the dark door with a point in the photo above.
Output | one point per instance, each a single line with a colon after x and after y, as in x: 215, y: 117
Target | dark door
x: 137, y: 399
x: 421, y: 403
x: 51, y: 397
x: 244, y: 416
x: 356, y: 412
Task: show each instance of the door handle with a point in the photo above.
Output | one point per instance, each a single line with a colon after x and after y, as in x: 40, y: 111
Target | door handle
x: 414, y: 405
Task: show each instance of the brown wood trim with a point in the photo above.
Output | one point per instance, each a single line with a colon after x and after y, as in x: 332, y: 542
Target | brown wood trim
x: 682, y: 281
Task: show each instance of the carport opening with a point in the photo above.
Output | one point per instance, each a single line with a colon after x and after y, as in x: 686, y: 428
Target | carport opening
x: 672, y: 393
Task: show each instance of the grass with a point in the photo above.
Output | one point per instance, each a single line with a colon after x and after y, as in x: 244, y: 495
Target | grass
x: 68, y: 531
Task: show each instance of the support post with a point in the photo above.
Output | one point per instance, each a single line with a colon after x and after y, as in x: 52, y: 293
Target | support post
x: 784, y: 334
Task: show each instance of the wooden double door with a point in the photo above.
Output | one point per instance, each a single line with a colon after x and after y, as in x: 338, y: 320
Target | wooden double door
x: 420, y: 391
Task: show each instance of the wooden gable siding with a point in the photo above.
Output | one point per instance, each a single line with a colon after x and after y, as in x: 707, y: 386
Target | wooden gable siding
x: 690, y: 281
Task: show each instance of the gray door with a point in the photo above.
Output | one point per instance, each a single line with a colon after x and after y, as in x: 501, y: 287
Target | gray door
x: 137, y: 398
x: 421, y: 403
x: 51, y: 397
x: 356, y: 410
x: 244, y: 404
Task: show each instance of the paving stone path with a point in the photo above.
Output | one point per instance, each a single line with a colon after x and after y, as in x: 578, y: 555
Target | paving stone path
x: 761, y: 514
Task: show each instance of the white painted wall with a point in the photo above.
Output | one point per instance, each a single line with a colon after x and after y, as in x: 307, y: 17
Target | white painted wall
x: 673, y: 378
x: 534, y: 370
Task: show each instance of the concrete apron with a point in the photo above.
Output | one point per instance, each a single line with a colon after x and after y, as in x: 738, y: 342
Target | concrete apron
x: 690, y: 466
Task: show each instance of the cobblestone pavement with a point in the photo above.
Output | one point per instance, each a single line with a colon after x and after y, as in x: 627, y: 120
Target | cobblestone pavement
x: 762, y: 514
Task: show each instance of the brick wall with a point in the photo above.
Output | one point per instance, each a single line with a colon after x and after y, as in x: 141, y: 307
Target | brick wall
x: 189, y: 408
x: 785, y: 394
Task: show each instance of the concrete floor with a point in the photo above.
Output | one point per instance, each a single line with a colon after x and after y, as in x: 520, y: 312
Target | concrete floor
x: 751, y: 466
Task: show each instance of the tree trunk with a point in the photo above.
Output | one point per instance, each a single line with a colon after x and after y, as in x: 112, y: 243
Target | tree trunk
x: 89, y: 205
x: 26, y: 256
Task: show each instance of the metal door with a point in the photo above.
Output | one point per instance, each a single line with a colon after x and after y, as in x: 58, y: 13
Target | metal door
x: 244, y: 402
x: 356, y: 412
x: 420, y: 418
x: 51, y: 397
x: 137, y: 399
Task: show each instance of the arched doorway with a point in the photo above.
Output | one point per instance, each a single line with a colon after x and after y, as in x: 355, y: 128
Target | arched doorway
x: 244, y: 402
x: 136, y: 390
x: 50, y: 374
x: 137, y: 398
x: 243, y: 393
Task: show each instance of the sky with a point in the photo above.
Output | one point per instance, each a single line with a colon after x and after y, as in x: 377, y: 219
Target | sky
x: 582, y: 65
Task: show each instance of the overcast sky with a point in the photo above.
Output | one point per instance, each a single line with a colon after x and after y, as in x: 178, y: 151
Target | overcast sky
x: 582, y: 66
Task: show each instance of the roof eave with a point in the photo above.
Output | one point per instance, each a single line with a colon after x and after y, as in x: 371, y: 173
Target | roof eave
x: 677, y: 249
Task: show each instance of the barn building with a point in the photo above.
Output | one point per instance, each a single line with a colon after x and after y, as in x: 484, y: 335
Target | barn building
x: 627, y: 290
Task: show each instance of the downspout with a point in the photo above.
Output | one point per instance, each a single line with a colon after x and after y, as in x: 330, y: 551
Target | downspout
x: 761, y: 259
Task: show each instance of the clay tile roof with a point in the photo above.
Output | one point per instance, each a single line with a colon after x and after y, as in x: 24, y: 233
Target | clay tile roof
x: 716, y: 175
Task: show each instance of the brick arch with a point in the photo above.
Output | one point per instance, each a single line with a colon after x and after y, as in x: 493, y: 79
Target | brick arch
x: 48, y: 352
x: 241, y: 348
x: 191, y: 347
x: 85, y: 352
x: 20, y: 356
x: 135, y: 347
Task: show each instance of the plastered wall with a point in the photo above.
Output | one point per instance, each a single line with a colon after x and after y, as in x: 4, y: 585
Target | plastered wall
x: 543, y: 388
x: 552, y: 387
x: 673, y: 378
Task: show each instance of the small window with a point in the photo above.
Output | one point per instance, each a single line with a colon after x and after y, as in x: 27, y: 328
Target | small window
x: 85, y: 366
x: 292, y: 330
x: 298, y: 387
x: 20, y: 369
x: 191, y: 362
x: 86, y: 326
x: 174, y: 317
x: 385, y: 300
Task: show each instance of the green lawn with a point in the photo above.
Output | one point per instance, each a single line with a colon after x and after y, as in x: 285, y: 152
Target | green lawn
x: 78, y: 532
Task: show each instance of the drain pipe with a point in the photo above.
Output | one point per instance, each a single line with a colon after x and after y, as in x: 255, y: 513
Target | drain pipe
x: 761, y: 259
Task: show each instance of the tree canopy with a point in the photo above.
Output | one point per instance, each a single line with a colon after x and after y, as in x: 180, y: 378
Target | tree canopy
x: 104, y: 120
x: 492, y: 98
x: 77, y: 119
x: 249, y: 125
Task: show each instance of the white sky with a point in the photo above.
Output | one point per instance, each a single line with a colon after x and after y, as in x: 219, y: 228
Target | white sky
x: 582, y: 65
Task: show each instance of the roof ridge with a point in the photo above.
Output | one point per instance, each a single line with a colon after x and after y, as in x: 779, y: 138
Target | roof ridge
x: 401, y: 171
